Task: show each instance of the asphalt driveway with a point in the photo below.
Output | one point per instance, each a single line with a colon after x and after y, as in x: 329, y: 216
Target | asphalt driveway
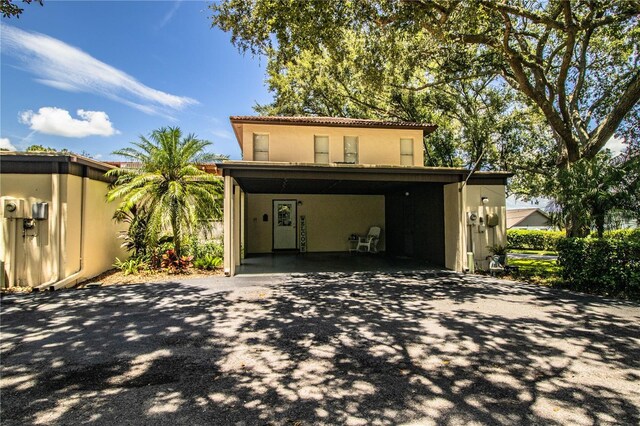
x: 359, y: 348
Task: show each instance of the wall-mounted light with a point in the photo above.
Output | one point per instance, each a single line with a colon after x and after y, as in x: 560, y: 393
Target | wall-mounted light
x: 485, y: 200
x: 406, y: 194
x: 299, y: 203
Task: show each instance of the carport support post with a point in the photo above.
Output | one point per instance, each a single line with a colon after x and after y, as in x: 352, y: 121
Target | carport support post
x: 454, y: 226
x: 229, y: 261
x: 237, y: 219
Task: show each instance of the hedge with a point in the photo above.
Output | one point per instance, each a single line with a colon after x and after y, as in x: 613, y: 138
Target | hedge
x: 533, y: 239
x: 609, y: 267
x: 620, y: 234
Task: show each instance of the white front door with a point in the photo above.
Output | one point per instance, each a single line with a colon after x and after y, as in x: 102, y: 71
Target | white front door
x: 284, y: 224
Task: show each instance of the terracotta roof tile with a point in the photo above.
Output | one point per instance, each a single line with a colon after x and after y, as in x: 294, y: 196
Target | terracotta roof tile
x: 333, y: 121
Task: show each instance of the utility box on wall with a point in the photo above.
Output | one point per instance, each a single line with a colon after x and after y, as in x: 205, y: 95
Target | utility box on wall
x: 40, y: 211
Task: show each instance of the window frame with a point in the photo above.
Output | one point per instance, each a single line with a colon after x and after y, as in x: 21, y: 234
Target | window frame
x: 260, y: 151
x: 316, y: 152
x: 357, y: 149
x: 404, y: 156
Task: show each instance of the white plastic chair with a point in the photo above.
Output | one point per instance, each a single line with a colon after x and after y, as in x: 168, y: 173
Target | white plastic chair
x: 370, y: 242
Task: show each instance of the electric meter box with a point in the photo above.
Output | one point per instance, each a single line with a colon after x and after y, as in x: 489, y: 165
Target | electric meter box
x: 492, y: 220
x: 40, y: 211
x: 13, y: 208
x: 472, y: 218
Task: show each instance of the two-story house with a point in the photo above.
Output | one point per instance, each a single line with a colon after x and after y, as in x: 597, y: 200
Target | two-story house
x: 308, y: 183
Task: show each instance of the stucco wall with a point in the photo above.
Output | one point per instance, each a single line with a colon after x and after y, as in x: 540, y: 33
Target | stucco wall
x: 478, y: 241
x: 296, y: 143
x: 33, y: 257
x: 452, y: 227
x: 102, y: 244
x: 330, y: 219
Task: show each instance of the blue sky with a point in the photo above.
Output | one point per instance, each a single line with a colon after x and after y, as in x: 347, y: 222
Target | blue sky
x: 93, y: 76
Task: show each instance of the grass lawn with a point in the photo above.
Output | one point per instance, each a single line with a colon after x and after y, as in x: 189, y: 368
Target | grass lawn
x: 546, y: 272
x: 539, y: 252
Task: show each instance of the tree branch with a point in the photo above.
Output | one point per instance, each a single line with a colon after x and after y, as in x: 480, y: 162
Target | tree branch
x: 566, y: 62
x: 515, y: 10
x: 601, y: 135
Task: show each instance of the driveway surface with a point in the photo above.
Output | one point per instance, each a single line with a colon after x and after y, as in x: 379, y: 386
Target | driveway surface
x: 363, y: 348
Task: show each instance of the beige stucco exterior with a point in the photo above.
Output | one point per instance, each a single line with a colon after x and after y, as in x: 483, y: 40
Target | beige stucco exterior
x: 453, y: 227
x: 330, y: 219
x: 79, y: 239
x: 288, y: 143
x: 478, y: 239
x: 462, y: 237
x: 333, y: 214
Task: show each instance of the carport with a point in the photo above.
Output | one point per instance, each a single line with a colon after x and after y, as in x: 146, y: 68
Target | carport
x: 419, y: 208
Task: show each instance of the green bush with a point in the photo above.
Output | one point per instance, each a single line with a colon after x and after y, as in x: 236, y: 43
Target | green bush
x: 208, y: 262
x: 609, y: 267
x: 199, y: 250
x: 131, y: 266
x: 620, y: 234
x: 533, y: 239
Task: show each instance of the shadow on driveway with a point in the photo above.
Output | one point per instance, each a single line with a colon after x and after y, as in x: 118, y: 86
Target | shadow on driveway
x: 364, y: 348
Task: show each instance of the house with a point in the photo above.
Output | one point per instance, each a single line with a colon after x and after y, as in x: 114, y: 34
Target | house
x: 57, y: 228
x: 530, y: 218
x: 305, y: 184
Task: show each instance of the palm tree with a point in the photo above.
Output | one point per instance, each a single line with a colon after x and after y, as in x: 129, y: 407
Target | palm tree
x: 165, y: 181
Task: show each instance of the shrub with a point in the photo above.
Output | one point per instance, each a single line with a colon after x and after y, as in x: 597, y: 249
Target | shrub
x: 620, y: 234
x: 609, y: 267
x: 208, y: 262
x: 198, y: 249
x: 533, y: 239
x: 131, y: 266
x: 174, y: 263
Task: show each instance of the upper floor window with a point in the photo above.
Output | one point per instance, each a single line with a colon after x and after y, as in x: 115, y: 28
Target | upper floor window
x: 351, y: 149
x: 321, y: 149
x: 406, y: 152
x: 260, y: 147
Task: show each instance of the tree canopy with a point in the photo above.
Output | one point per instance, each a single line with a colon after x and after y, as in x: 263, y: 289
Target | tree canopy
x: 535, y: 86
x: 167, y: 185
x: 10, y: 9
x: 576, y: 62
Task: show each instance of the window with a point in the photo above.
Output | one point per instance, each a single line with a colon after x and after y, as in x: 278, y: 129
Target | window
x: 406, y: 152
x: 321, y: 149
x: 351, y: 149
x: 260, y: 147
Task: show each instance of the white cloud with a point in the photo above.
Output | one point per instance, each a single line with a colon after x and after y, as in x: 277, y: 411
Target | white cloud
x: 5, y: 143
x: 57, y: 121
x: 169, y: 15
x: 64, y: 67
x: 616, y: 145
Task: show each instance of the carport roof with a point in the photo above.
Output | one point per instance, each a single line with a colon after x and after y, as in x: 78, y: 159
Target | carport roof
x: 306, y: 178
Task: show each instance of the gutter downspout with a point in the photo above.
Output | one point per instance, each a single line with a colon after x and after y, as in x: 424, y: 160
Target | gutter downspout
x: 73, y: 278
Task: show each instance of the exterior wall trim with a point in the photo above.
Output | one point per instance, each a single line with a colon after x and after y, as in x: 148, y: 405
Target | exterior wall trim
x: 40, y: 164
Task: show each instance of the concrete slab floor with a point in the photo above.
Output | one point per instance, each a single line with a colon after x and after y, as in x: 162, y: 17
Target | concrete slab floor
x: 279, y: 263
